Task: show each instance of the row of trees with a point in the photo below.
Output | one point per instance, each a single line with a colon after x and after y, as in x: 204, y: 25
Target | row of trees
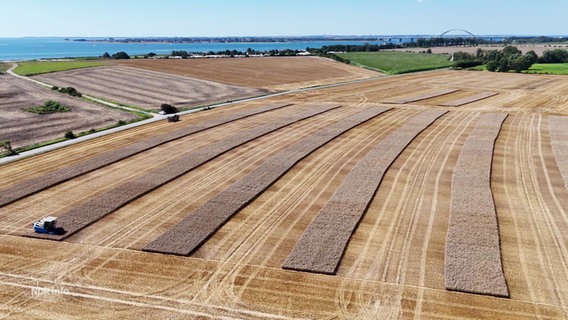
x: 233, y: 53
x: 508, y: 59
x: 554, y: 56
x: 352, y: 48
x: 118, y: 55
x: 444, y: 42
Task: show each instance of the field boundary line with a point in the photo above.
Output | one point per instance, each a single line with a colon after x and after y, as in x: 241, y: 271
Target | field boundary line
x: 322, y: 245
x: 189, y: 234
x: 470, y: 99
x: 423, y: 96
x: 473, y: 260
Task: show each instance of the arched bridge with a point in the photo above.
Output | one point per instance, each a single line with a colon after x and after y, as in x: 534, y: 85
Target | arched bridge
x: 462, y: 30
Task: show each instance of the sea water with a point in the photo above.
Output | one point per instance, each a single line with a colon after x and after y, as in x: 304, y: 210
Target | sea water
x: 49, y: 48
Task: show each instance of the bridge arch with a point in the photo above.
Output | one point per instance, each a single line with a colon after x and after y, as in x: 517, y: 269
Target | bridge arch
x: 462, y: 30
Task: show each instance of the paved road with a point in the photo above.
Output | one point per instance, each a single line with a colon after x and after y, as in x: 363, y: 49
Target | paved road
x: 155, y: 117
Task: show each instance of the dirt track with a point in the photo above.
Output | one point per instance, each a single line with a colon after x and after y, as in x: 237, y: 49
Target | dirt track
x: 393, y: 266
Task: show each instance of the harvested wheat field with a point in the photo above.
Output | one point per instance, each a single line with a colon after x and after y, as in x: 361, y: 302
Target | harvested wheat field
x: 447, y: 202
x: 147, y: 89
x: 270, y: 73
x: 24, y: 128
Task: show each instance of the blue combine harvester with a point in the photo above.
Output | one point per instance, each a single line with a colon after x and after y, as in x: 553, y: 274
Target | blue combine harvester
x: 47, y: 225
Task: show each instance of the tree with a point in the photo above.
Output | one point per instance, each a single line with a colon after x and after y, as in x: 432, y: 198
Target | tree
x: 120, y: 55
x: 167, y: 108
x: 492, y: 55
x: 520, y: 62
x: 466, y: 60
x: 106, y: 55
x: 511, y: 50
x: 504, y: 65
x: 180, y: 53
x: 492, y: 65
x: 6, y: 145
x: 479, y: 53
x: 532, y: 56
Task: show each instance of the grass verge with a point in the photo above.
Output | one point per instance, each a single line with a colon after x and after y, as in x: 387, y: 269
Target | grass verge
x: 30, y: 68
x: 3, y: 67
x: 549, y: 68
x: 398, y: 62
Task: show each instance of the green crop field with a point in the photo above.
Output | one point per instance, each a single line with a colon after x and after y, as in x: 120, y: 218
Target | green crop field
x: 398, y: 62
x: 28, y: 68
x: 549, y: 68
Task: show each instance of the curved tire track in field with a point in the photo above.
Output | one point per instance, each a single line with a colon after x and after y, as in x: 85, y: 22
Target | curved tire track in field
x: 323, y: 243
x: 87, y: 213
x: 533, y: 209
x: 40, y: 183
x: 294, y: 210
x: 320, y: 180
x: 292, y: 213
x: 423, y: 169
x: 209, y: 179
x: 190, y: 233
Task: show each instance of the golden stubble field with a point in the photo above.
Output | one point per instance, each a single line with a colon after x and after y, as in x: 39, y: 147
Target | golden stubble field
x: 394, y: 264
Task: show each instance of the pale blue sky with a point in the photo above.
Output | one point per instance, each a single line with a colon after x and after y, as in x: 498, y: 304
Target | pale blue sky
x: 131, y: 18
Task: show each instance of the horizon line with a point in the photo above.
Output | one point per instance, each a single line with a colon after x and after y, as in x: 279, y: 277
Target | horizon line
x: 288, y: 36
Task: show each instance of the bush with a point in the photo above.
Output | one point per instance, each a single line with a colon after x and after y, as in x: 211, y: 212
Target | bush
x: 49, y: 106
x: 70, y: 91
x: 6, y: 145
x: 70, y: 135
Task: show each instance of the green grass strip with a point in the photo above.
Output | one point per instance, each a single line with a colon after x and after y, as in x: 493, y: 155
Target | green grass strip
x: 549, y: 68
x: 29, y: 68
x: 398, y: 62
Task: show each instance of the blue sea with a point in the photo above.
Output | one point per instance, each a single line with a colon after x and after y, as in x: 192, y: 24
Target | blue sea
x: 47, y: 48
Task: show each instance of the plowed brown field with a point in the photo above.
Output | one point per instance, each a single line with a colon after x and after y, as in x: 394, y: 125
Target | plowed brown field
x: 393, y: 265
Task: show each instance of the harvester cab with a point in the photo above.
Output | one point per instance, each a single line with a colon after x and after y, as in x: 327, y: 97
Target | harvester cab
x: 46, y: 225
